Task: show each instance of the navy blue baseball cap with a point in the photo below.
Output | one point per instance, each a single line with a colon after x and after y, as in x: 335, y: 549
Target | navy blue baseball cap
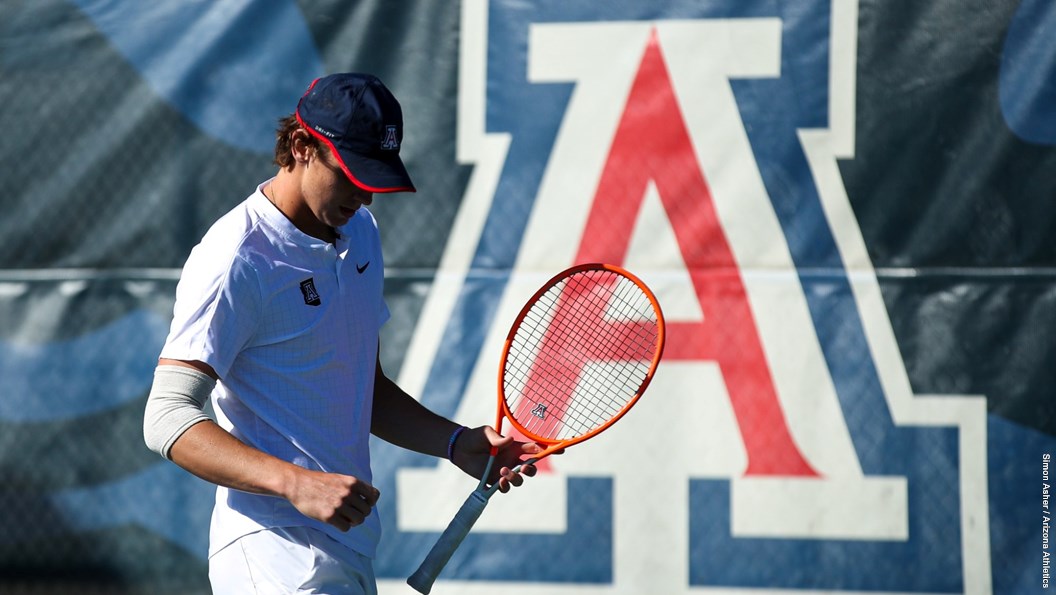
x: 361, y: 122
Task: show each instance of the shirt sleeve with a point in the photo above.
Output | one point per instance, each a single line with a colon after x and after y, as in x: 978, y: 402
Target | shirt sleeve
x: 217, y: 310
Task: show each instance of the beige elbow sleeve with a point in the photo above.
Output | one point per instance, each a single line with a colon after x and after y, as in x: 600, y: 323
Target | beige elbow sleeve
x: 175, y: 403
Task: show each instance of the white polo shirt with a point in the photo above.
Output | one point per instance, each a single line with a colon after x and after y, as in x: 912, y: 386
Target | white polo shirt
x: 290, y: 324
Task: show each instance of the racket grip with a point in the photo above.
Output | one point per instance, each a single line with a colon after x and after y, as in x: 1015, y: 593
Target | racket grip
x: 422, y: 579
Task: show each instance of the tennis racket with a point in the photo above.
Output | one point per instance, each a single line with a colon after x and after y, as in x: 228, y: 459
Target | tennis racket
x: 579, y: 355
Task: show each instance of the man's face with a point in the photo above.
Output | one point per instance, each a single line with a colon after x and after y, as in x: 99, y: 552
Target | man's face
x: 329, y: 194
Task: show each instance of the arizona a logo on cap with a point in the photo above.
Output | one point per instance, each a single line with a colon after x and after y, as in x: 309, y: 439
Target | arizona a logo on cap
x: 390, y: 143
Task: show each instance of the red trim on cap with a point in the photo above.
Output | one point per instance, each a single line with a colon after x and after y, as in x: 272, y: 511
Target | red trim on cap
x: 333, y: 151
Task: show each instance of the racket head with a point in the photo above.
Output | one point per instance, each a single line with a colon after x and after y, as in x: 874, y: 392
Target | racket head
x: 579, y: 355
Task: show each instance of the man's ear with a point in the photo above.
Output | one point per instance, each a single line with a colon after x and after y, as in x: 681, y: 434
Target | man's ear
x: 301, y: 146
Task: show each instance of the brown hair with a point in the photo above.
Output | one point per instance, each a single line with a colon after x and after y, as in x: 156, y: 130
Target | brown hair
x: 284, y: 141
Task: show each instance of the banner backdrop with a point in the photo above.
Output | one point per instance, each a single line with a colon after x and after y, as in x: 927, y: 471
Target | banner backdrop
x: 846, y: 208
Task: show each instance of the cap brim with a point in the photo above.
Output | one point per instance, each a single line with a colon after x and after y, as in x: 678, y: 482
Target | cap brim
x: 380, y: 175
x: 374, y: 174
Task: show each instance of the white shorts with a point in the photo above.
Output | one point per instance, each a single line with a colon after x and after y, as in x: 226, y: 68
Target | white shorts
x: 290, y: 560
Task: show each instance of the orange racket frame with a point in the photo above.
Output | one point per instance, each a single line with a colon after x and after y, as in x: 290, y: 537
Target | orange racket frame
x: 462, y: 523
x: 503, y: 410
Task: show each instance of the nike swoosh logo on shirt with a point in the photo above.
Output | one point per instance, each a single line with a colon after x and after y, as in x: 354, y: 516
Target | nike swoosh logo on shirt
x: 360, y: 269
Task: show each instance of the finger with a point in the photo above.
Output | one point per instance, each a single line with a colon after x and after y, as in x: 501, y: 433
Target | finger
x: 349, y: 521
x: 367, y: 493
x: 508, y: 478
x: 360, y: 490
x: 352, y: 514
x: 359, y: 503
x: 344, y: 518
x: 529, y: 470
x: 341, y: 523
x: 495, y: 439
x: 531, y: 448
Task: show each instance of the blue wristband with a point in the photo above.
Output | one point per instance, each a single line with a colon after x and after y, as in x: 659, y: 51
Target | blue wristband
x: 451, y: 443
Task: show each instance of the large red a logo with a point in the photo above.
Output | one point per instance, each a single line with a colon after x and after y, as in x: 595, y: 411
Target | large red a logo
x: 652, y: 144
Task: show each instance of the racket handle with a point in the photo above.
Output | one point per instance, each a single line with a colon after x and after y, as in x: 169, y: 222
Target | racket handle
x: 422, y: 579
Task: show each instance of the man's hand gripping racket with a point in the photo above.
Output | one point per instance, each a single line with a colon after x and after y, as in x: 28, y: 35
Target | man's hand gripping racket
x: 579, y: 355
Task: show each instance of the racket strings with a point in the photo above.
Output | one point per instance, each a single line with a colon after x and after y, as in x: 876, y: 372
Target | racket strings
x: 580, y: 354
x: 603, y: 402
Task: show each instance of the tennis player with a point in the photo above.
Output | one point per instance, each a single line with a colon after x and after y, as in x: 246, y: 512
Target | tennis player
x: 277, y: 320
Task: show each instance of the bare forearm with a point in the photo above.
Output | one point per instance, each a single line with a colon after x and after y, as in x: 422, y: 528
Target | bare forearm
x: 403, y: 421
x: 211, y: 453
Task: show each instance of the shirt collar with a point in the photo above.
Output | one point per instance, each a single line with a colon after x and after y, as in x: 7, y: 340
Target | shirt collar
x: 278, y: 221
